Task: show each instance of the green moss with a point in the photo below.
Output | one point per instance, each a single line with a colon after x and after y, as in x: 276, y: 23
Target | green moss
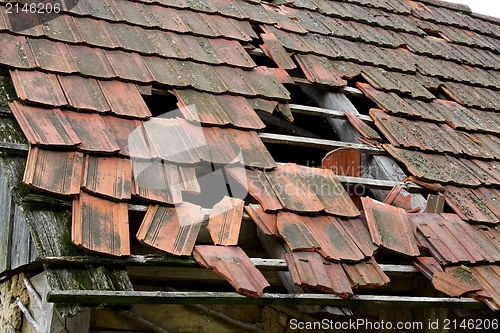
x: 11, y: 132
x: 7, y: 91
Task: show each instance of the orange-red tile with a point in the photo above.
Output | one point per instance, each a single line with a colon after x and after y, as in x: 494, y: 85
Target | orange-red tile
x: 100, y: 225
x: 171, y: 229
x: 124, y: 99
x: 225, y: 221
x: 83, y: 93
x: 38, y: 87
x: 58, y: 172
x: 110, y: 177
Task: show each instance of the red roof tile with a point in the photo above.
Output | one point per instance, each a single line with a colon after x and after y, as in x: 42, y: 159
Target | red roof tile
x: 260, y: 104
x: 201, y: 107
x: 198, y: 23
x: 133, y: 12
x: 292, y: 190
x: 267, y: 223
x: 435, y: 168
x: 274, y: 50
x: 92, y: 131
x: 61, y: 27
x: 44, y: 127
x: 53, y: 171
x: 178, y: 149
x: 232, y: 53
x: 234, y: 265
x: 38, y: 87
x: 455, y: 282
x: 427, y: 266
x: 16, y: 45
x: 87, y: 27
x: 364, y: 129
x: 264, y: 81
x: 320, y: 70
x: 157, y: 182
x: 237, y: 81
x: 309, y: 269
x: 366, y: 274
x: 164, y: 71
x: 399, y: 197
x: 167, y: 18
x: 91, y: 61
x: 293, y: 229
x: 481, y: 98
x: 129, y: 136
x: 110, y: 177
x: 200, y: 49
x: 258, y: 186
x: 124, y: 99
x: 453, y: 241
x: 129, y: 66
x: 360, y: 235
x: 225, y: 221
x: 240, y: 112
x: 45, y: 51
x: 390, y: 227
x: 171, y: 229
x: 100, y: 225
x: 489, y: 279
x: 474, y: 205
x: 329, y: 191
x: 83, y: 93
x: 253, y: 152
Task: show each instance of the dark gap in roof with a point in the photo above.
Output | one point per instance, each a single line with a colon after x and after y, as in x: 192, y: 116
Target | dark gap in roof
x: 263, y: 61
x: 7, y: 91
x: 214, y: 185
x: 307, y: 156
x: 441, y: 94
x: 433, y: 33
x: 160, y: 105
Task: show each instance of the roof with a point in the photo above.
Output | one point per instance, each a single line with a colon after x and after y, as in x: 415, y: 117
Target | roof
x: 85, y: 78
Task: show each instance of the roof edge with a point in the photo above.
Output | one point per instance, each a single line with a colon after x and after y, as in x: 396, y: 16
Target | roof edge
x: 450, y: 5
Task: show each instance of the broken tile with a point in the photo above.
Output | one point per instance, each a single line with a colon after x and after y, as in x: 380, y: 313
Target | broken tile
x: 273, y: 48
x: 124, y: 99
x: 225, y: 221
x: 157, y: 182
x: 171, y: 229
x: 234, y: 265
x: 310, y: 269
x: 189, y: 180
x: 366, y: 274
x: 390, y: 227
x: 320, y: 70
x: 455, y: 282
x: 266, y: 222
x: 100, y: 225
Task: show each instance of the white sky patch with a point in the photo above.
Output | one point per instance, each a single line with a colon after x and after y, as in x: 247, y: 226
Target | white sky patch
x: 487, y: 7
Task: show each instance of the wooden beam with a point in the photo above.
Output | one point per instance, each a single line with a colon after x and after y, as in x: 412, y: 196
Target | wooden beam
x: 318, y: 143
x: 325, y: 113
x: 14, y: 148
x: 161, y: 297
x: 188, y: 262
x: 280, y: 125
x: 378, y: 184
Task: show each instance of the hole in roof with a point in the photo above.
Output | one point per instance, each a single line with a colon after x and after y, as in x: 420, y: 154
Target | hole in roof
x: 441, y: 94
x: 433, y: 33
x: 215, y: 184
x: 160, y: 105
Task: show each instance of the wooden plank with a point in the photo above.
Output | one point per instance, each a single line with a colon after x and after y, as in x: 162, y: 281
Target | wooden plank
x: 14, y: 148
x: 6, y: 224
x: 325, y: 113
x: 159, y: 297
x: 318, y: 143
x: 187, y: 262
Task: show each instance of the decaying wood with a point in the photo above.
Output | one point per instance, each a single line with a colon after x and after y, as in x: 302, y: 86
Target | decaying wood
x: 318, y: 143
x: 325, y: 113
x: 374, y: 166
x: 159, y: 297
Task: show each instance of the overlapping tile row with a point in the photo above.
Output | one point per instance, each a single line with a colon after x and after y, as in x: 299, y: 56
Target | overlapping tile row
x: 432, y: 137
x: 452, y: 241
x: 475, y: 205
x: 434, y: 47
x: 108, y: 17
x: 442, y: 111
x: 447, y: 169
x: 145, y: 70
x: 453, y: 18
x: 469, y: 38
